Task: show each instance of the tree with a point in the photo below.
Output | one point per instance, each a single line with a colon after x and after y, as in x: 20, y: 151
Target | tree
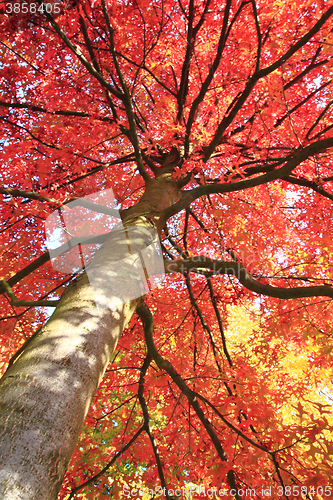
x: 211, y: 122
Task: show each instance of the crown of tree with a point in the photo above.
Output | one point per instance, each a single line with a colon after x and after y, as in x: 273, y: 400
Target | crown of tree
x: 176, y: 333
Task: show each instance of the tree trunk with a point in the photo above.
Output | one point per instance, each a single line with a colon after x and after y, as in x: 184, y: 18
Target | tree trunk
x: 45, y: 395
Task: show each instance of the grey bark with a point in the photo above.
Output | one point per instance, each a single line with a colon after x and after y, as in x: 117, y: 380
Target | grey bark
x: 45, y: 395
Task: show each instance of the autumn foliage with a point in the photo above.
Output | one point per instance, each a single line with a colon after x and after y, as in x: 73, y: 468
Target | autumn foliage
x: 233, y: 101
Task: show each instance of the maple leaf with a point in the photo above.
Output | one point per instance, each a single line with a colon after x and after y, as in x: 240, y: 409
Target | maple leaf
x: 210, y: 122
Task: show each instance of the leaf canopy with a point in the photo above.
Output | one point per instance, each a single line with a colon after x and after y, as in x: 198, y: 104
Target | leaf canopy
x: 232, y: 102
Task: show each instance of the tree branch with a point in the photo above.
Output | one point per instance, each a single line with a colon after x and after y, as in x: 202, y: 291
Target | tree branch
x: 173, y: 243
x: 102, y: 471
x: 292, y: 161
x: 219, y: 320
x: 310, y: 184
x: 77, y: 52
x: 163, y: 364
x: 300, y: 104
x: 95, y: 207
x: 45, y: 257
x: 126, y: 98
x: 209, y: 78
x: 25, y: 303
x: 228, y: 119
x: 95, y: 62
x: 183, y: 87
x: 202, y: 319
x: 201, y: 263
x: 39, y: 109
x: 146, y: 424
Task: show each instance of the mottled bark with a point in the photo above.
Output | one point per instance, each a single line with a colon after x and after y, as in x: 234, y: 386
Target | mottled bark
x: 45, y: 395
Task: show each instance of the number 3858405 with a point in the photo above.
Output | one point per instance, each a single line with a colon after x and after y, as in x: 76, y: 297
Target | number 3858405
x: 32, y: 8
x: 295, y: 490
